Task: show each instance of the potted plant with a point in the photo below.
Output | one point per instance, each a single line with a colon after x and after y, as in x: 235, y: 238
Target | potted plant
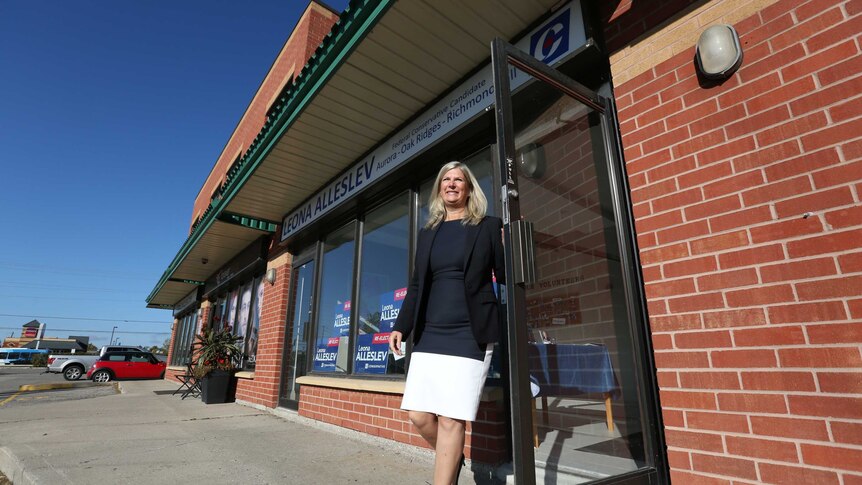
x: 216, y: 353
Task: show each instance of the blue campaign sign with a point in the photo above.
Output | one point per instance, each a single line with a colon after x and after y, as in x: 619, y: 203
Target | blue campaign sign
x: 372, y: 350
x: 326, y: 354
x: 341, y: 320
x: 390, y: 305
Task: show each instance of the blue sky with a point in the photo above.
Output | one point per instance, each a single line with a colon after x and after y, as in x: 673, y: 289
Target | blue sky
x: 111, y: 116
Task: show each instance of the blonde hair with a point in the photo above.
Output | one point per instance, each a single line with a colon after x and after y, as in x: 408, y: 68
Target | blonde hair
x: 477, y: 204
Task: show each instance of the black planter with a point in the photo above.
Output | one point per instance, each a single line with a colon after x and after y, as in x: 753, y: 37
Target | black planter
x: 215, y: 387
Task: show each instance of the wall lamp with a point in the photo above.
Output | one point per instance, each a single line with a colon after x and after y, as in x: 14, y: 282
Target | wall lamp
x: 271, y: 275
x: 718, y: 52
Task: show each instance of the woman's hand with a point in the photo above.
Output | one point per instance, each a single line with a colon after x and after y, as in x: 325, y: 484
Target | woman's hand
x: 395, y: 342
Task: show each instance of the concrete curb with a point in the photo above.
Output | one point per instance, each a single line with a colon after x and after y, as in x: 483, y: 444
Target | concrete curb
x: 61, y: 385
x: 12, y: 467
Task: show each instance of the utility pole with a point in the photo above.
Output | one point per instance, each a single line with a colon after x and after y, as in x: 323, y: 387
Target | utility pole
x: 112, y: 335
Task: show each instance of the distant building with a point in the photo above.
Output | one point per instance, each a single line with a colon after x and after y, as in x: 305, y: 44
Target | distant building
x: 29, y: 339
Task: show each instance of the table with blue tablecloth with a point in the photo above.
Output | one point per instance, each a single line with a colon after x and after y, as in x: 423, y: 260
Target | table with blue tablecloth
x: 570, y: 369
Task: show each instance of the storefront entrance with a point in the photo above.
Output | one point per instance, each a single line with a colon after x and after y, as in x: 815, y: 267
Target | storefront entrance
x: 580, y: 373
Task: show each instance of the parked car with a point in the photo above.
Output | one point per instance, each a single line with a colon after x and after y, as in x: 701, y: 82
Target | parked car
x: 126, y: 365
x: 73, y: 366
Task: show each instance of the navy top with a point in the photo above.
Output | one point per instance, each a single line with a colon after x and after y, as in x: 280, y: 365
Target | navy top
x: 447, y: 321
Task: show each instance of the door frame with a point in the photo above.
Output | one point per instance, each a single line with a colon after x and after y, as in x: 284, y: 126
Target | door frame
x: 503, y: 56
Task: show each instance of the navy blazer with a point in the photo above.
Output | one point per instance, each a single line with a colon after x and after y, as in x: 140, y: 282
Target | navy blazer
x: 483, y: 252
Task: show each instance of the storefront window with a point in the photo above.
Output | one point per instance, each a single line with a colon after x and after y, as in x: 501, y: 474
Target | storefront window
x: 251, y: 341
x: 382, y: 287
x: 230, y: 317
x: 333, y: 323
x: 183, y: 338
x: 218, y: 315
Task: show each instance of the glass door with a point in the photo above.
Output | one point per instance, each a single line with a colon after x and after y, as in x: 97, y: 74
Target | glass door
x: 581, y: 382
x: 300, y: 321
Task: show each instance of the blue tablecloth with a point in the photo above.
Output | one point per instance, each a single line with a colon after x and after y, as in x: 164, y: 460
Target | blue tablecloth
x: 570, y: 369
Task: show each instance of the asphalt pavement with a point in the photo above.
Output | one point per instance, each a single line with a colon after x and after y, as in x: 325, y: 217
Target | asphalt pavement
x: 137, y: 432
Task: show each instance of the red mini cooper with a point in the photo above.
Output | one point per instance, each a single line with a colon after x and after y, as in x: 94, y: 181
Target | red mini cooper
x: 126, y: 365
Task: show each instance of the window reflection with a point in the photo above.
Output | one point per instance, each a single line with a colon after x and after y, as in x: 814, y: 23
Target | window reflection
x: 333, y: 321
x: 383, y: 285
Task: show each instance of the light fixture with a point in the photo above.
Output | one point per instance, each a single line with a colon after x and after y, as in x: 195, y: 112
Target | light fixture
x: 531, y: 160
x: 271, y: 274
x: 718, y: 52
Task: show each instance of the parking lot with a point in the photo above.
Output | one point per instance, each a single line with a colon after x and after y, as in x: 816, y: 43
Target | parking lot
x: 12, y: 378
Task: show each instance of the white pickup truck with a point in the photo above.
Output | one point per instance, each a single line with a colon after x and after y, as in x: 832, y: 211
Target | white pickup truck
x: 73, y: 366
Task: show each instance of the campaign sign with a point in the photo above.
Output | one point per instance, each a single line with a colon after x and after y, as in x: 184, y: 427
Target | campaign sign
x: 326, y: 353
x: 372, y: 349
x: 341, y: 322
x: 390, y: 305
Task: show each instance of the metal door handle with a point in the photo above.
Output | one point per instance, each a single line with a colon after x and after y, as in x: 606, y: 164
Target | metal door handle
x: 523, y: 252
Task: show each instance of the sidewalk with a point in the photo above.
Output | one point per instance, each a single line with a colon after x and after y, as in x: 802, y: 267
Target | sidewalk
x: 145, y: 435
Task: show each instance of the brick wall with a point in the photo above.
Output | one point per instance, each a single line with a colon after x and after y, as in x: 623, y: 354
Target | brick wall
x: 747, y: 204
x: 264, y: 388
x: 380, y: 415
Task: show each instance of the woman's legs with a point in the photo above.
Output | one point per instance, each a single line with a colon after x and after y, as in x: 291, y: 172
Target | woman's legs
x: 450, y: 446
x: 446, y: 436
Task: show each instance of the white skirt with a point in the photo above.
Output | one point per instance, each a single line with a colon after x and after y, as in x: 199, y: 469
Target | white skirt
x: 446, y: 385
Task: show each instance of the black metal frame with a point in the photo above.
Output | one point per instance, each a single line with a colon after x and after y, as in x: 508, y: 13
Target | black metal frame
x: 504, y: 55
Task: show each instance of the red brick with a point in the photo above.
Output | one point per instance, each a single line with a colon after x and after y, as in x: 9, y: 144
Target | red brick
x: 776, y: 191
x: 760, y: 296
x: 723, y: 465
x: 640, y: 135
x: 748, y: 90
x: 648, y: 162
x: 807, y: 429
x: 671, y: 169
x: 713, y: 207
x: 840, y: 383
x: 820, y: 357
x: 826, y: 199
x: 670, y: 288
x: 720, y: 242
x: 657, y: 307
x: 646, y: 241
x: 843, y: 30
x: 726, y: 151
x: 816, y: 62
x: 797, y: 475
x: 761, y: 448
x: 842, y: 218
x: 781, y: 95
x: 653, y: 86
x: 797, y: 127
x: 689, y: 440
x: 786, y: 229
x: 666, y: 380
x: 748, y: 257
x: 855, y: 308
x: 677, y: 476
x: 832, y: 457
x: 758, y: 122
x: 752, y: 403
x: 850, y: 433
x: 841, y: 174
x: 690, y: 113
x: 778, y: 381
x: 641, y: 106
x: 691, y: 266
x: 835, y: 134
x: 698, y: 143
x: 834, y: 333
x: 734, y: 318
x: 744, y: 359
x: 721, y: 118
x: 830, y: 243
x: 683, y: 232
x: 850, y: 67
x: 766, y: 156
x: 704, y: 175
x: 806, y: 29
x: 687, y: 399
x: 678, y: 460
x: 733, y: 184
x: 727, y: 279
x: 652, y: 191
x: 769, y: 336
x: 681, y: 360
x: 846, y: 110
x: 665, y: 253
x: 846, y: 286
x: 796, y: 270
x: 673, y: 418
x: 802, y: 165
x: 660, y: 221
x: 708, y: 381
x: 686, y: 321
x: 678, y: 199
x: 743, y: 218
x: 818, y: 98
x: 734, y: 423
x: 669, y: 138
x: 705, y: 301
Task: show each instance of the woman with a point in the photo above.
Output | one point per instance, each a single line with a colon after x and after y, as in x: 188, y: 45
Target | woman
x: 452, y: 312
